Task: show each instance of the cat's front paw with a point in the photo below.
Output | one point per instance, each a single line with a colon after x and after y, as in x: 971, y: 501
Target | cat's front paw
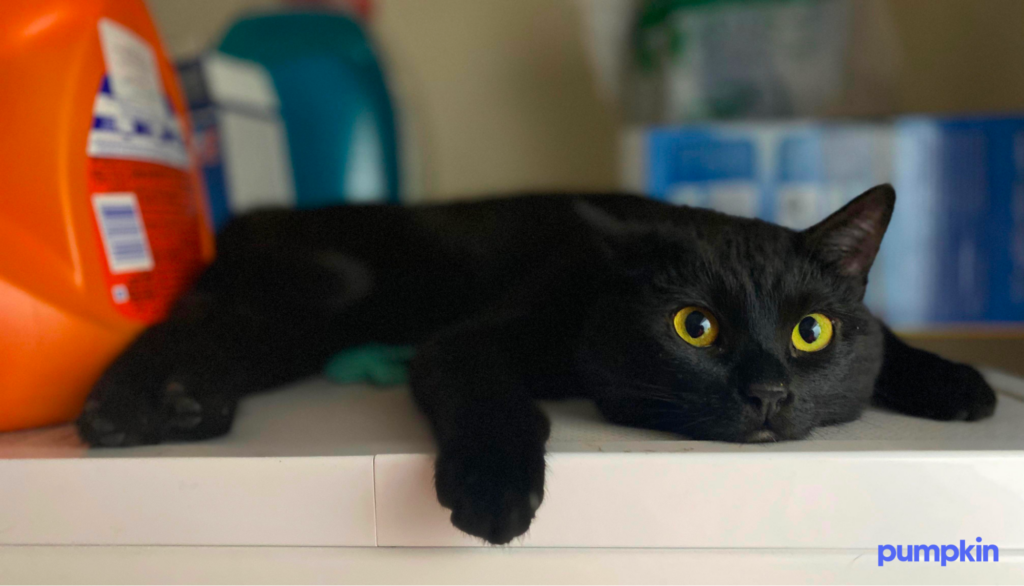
x: 936, y: 388
x: 965, y: 396
x: 120, y: 414
x: 493, y: 493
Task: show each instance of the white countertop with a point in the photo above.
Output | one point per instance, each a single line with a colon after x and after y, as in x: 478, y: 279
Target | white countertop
x: 322, y: 465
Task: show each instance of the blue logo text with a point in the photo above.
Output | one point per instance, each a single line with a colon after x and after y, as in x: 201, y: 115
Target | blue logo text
x: 939, y: 553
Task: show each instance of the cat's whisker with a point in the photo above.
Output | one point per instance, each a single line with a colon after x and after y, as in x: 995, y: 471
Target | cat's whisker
x: 698, y: 421
x: 672, y: 400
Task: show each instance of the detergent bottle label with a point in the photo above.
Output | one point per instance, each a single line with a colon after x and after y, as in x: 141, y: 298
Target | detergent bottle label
x: 143, y: 195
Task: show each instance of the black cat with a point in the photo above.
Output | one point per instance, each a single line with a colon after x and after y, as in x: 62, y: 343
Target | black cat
x: 678, y: 319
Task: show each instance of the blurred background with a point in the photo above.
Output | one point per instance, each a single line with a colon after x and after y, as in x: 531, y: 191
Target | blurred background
x: 519, y: 95
x: 780, y: 109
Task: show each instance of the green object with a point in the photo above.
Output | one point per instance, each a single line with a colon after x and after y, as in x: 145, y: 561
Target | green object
x: 654, y: 37
x: 376, y: 364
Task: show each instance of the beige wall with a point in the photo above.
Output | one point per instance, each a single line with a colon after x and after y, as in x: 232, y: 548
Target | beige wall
x: 503, y: 92
x: 961, y: 55
x: 498, y: 93
x: 189, y: 26
x: 501, y: 97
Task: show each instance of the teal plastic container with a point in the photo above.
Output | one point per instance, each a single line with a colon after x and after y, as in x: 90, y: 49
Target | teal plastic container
x: 338, y: 113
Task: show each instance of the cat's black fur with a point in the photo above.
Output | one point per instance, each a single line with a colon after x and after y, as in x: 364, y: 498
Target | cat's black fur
x: 517, y: 299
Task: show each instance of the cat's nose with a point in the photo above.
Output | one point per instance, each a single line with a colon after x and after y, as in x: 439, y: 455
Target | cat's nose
x: 769, y: 397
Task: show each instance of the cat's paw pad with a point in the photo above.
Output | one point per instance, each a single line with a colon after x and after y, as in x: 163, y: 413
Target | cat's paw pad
x: 182, y: 411
x: 186, y: 414
x: 493, y: 494
x: 99, y: 425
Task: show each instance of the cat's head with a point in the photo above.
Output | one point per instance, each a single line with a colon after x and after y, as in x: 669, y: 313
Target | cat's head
x: 722, y: 328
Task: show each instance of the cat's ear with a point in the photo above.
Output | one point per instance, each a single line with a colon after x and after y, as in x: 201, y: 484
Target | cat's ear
x: 849, y: 239
x: 603, y: 221
x: 624, y: 243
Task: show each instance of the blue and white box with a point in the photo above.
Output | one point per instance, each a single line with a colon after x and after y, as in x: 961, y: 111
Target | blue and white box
x: 957, y: 235
x: 240, y: 138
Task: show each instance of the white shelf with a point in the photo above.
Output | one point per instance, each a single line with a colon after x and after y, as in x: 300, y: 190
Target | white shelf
x: 320, y: 465
x: 392, y: 565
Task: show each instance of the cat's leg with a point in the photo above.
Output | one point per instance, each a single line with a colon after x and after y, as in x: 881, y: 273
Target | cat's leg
x: 129, y: 404
x: 919, y: 383
x: 181, y: 380
x: 247, y: 325
x: 470, y: 383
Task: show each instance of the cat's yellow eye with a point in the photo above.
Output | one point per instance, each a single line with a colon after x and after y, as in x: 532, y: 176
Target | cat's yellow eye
x: 696, y: 326
x: 812, y: 333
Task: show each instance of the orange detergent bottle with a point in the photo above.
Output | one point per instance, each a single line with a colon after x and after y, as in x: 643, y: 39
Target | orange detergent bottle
x: 103, y: 220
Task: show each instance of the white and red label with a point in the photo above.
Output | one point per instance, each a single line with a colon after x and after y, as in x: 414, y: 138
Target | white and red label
x: 143, y: 197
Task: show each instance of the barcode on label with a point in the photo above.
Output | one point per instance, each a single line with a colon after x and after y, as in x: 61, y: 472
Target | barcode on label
x: 123, y: 232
